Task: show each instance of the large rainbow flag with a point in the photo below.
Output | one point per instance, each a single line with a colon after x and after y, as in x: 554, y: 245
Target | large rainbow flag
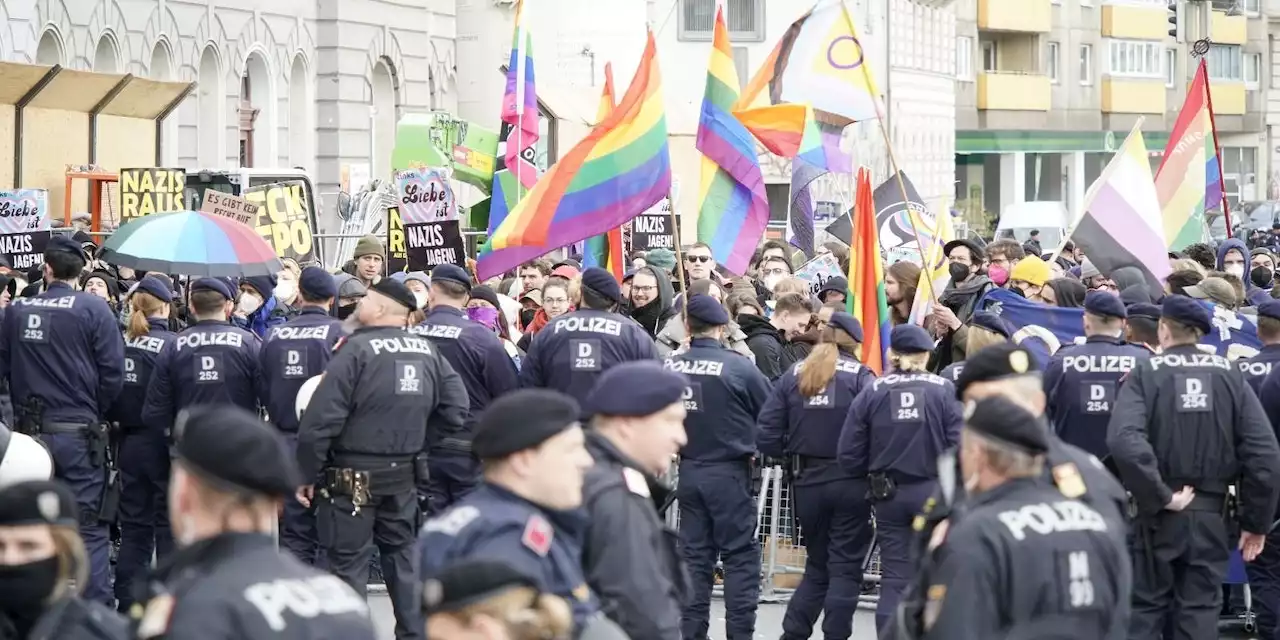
x: 733, y: 207
x: 1189, y: 181
x: 618, y: 171
x: 605, y: 250
x: 868, y: 301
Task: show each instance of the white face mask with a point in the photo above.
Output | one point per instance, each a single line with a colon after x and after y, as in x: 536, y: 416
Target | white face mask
x: 249, y: 302
x: 1236, y: 270
x: 286, y: 289
x: 770, y: 282
x: 421, y: 298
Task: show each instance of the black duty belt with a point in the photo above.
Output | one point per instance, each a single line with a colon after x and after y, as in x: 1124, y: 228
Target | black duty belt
x: 454, y: 444
x: 1212, y: 502
x: 64, y: 427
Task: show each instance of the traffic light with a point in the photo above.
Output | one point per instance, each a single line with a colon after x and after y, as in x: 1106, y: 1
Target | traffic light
x: 1174, y: 31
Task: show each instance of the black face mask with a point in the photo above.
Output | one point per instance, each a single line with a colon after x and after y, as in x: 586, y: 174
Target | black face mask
x: 24, y: 587
x: 346, y: 310
x: 526, y: 316
x: 1017, y: 291
x: 959, y: 272
x: 1261, y: 277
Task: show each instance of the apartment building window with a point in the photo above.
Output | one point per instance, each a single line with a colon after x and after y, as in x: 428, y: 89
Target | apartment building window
x: 964, y: 58
x: 1239, y: 174
x: 1086, y: 63
x: 745, y: 19
x: 1170, y: 68
x: 990, y: 57
x: 1134, y: 59
x: 1252, y: 70
x: 1051, y: 62
x: 1226, y: 62
x: 1253, y: 6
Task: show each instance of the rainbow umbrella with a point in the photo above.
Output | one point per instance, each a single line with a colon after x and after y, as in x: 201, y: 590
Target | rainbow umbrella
x: 191, y: 243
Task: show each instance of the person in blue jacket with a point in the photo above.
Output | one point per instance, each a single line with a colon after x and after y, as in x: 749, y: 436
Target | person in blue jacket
x: 257, y: 308
x: 802, y: 421
x: 1234, y: 258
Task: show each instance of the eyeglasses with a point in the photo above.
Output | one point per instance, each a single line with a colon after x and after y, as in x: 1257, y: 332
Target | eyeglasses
x: 647, y: 289
x: 774, y: 272
x: 698, y: 258
x: 555, y: 301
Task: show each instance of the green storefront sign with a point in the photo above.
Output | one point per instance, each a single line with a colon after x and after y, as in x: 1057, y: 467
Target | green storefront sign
x: 980, y: 142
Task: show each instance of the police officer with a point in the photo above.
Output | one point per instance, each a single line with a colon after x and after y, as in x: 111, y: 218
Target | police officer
x: 210, y: 362
x: 1024, y: 561
x: 717, y: 512
x: 630, y: 558
x: 144, y: 453
x: 801, y: 421
x: 229, y: 580
x: 572, y: 350
x: 478, y: 356
x: 525, y: 511
x: 992, y: 328
x: 1141, y: 328
x: 892, y: 437
x: 383, y: 394
x: 63, y: 356
x: 1184, y: 429
x: 1256, y: 368
x: 292, y: 354
x: 1081, y: 380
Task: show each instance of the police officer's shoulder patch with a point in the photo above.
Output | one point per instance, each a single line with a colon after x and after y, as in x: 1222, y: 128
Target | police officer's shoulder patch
x: 156, y: 617
x: 1067, y: 477
x: 538, y: 535
x: 635, y: 482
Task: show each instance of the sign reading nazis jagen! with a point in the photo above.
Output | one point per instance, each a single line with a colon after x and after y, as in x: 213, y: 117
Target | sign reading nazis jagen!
x: 434, y: 243
x: 25, y: 250
x: 229, y: 206
x: 147, y: 191
x: 283, y: 218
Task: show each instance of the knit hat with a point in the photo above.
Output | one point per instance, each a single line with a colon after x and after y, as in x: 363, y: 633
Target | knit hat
x: 369, y: 245
x: 662, y: 258
x: 1031, y: 270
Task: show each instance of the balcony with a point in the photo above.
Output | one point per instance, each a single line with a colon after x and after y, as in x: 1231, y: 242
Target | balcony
x: 1134, y: 22
x: 1128, y: 95
x: 1013, y: 92
x: 1025, y: 16
x: 1229, y: 98
x: 1225, y: 29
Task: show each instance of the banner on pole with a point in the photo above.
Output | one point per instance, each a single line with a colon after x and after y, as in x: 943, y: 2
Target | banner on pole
x: 425, y: 196
x: 428, y: 244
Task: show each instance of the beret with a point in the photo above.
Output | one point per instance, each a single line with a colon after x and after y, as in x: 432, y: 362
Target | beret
x: 1005, y: 421
x: 1270, y: 308
x: 636, y: 389
x: 231, y: 447
x: 65, y: 244
x: 317, y: 284
x: 214, y: 284
x: 602, y: 282
x: 996, y: 362
x: 156, y: 287
x: 1187, y: 311
x: 522, y: 420
x: 847, y: 324
x: 1104, y: 303
x: 396, y: 291
x: 909, y: 338
x: 468, y: 582
x: 452, y: 273
x: 38, y: 502
x: 1144, y: 310
x: 704, y: 308
x: 991, y: 322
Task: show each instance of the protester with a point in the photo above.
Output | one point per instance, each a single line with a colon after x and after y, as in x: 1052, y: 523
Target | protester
x: 533, y: 275
x: 350, y: 291
x: 485, y: 307
x: 1002, y: 256
x: 662, y: 259
x: 367, y: 260
x: 1216, y: 290
x: 1028, y: 277
x: 900, y: 281
x: 673, y: 337
x: 836, y: 289
x: 257, y: 308
x: 651, y: 299
x: 766, y: 337
x: 555, y: 301
x: 1064, y: 292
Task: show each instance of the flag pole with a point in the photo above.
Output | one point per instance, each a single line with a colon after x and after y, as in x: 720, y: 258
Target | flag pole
x: 675, y: 242
x: 1213, y: 125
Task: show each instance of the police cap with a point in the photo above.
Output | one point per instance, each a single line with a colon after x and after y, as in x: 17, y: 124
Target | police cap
x: 235, y: 450
x: 1005, y: 421
x: 316, y: 284
x: 1143, y: 310
x: 704, y: 308
x: 996, y: 362
x: 465, y: 583
x: 847, y: 324
x: 156, y: 287
x: 909, y: 338
x: 636, y: 389
x: 214, y: 284
x: 38, y: 502
x: 1270, y: 308
x: 1186, y: 311
x: 64, y: 244
x: 397, y: 292
x: 1105, y: 304
x: 602, y: 282
x: 522, y: 420
x: 991, y: 322
x: 452, y: 273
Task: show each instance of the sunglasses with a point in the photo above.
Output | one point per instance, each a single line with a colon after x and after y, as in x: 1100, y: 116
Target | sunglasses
x: 698, y: 258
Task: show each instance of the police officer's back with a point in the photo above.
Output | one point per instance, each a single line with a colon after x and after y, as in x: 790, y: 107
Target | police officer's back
x: 1185, y: 428
x: 1256, y: 368
x: 1081, y: 380
x: 630, y: 556
x: 210, y: 362
x: 477, y: 355
x: 229, y: 580
x: 571, y: 351
x: 63, y: 356
x: 1024, y: 561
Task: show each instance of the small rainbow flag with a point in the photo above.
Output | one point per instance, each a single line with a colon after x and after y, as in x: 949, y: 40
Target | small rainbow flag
x: 867, y: 300
x: 618, y: 171
x: 734, y: 209
x: 605, y: 250
x: 520, y: 105
x: 1189, y: 180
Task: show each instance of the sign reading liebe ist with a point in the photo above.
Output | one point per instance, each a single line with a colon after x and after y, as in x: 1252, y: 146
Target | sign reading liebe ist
x: 283, y: 219
x: 425, y: 196
x: 817, y: 271
x: 24, y: 224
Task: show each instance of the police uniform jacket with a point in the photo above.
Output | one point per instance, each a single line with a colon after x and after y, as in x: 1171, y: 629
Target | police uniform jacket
x: 1255, y: 369
x: 140, y: 355
x: 210, y: 362
x: 383, y: 394
x: 1187, y: 418
x: 239, y: 586
x: 726, y: 392
x: 1026, y: 562
x: 570, y: 352
x: 63, y: 346
x: 809, y: 428
x: 899, y: 426
x: 952, y: 371
x: 630, y: 556
x: 292, y: 354
x: 1080, y: 384
x: 496, y: 524
x: 476, y: 354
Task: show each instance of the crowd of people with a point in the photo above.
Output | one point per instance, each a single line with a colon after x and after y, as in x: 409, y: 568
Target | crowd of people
x: 503, y: 454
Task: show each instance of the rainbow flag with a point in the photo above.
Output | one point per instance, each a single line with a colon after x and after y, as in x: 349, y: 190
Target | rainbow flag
x: 520, y: 105
x: 617, y: 172
x: 1189, y: 181
x: 867, y: 300
x: 791, y: 130
x: 734, y: 209
x: 605, y: 250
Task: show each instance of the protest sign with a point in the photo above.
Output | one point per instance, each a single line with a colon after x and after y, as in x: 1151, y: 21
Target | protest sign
x: 152, y: 190
x: 434, y: 243
x: 24, y: 210
x: 397, y: 255
x: 284, y: 220
x: 425, y: 196
x: 818, y: 270
x: 25, y: 250
x: 229, y: 206
x: 652, y: 229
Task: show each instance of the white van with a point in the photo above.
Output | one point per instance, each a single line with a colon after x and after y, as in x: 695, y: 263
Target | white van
x: 1018, y: 220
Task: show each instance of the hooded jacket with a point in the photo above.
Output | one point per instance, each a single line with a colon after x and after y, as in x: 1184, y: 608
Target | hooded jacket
x: 671, y: 339
x: 1253, y: 294
x: 653, y: 316
x: 766, y: 342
